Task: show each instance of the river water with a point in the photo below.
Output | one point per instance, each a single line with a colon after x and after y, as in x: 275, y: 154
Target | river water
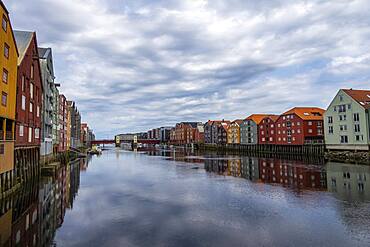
x: 167, y: 198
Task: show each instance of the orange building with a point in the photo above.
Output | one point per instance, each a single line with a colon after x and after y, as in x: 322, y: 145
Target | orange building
x: 8, y: 84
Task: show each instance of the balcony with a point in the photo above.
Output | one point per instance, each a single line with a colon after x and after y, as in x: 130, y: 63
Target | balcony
x: 9, y: 135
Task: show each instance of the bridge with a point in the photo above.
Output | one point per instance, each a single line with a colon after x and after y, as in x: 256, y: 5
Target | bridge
x: 142, y: 141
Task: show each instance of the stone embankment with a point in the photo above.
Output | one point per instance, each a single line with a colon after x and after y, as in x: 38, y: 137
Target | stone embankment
x: 348, y: 157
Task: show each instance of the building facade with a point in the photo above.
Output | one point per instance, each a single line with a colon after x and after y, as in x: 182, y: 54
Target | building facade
x: 299, y: 126
x: 267, y: 130
x: 249, y: 129
x: 75, y: 120
x: 47, y: 113
x: 347, y: 121
x: 186, y: 133
x: 233, y: 132
x: 8, y: 63
x: 164, y: 134
x: 63, y: 108
x: 29, y: 91
x: 55, y: 119
x: 219, y: 132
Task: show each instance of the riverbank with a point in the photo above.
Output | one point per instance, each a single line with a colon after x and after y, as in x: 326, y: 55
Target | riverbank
x: 317, y: 151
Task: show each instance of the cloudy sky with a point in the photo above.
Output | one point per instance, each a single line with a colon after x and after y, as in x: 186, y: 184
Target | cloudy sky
x: 132, y: 65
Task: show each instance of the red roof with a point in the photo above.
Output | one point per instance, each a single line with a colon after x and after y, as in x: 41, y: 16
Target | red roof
x: 361, y: 96
x: 307, y: 113
x: 257, y: 118
x: 238, y: 121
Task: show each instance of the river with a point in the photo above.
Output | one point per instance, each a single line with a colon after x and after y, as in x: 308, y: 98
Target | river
x: 167, y: 198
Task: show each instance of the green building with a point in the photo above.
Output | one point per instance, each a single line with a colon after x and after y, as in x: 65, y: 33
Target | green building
x: 347, y: 121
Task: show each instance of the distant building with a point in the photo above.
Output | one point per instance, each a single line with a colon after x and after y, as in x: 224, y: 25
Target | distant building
x: 187, y: 133
x: 299, y: 126
x: 233, y: 132
x: 267, y: 130
x: 164, y: 134
x: 214, y: 131
x: 63, y: 115
x: 75, y: 119
x: 249, y: 129
x: 29, y: 91
x: 347, y: 121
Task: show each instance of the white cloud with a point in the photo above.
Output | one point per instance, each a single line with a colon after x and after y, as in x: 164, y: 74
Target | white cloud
x: 151, y: 63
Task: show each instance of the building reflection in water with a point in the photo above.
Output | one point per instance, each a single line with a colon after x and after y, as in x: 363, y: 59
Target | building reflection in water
x: 32, y: 216
x: 348, y: 182
x: 288, y: 173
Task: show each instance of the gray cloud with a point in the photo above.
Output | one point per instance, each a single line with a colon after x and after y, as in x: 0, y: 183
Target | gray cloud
x: 138, y: 64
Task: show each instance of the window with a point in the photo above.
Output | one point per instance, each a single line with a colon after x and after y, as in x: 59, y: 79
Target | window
x: 271, y: 139
x: 37, y: 133
x: 31, y: 90
x: 310, y: 131
x: 38, y: 111
x: 31, y: 107
x: 289, y: 139
x: 272, y: 126
x: 5, y: 76
x: 343, y: 127
x: 356, y: 117
x: 21, y: 130
x: 359, y: 138
x: 4, y: 98
x: 23, y: 102
x: 340, y: 98
x: 343, y: 139
x: 342, y: 117
x: 278, y: 125
x: 331, y: 131
x: 319, y: 124
x: 6, y: 51
x: 23, y: 81
x: 298, y: 123
x: 342, y: 108
x: 29, y: 134
x: 298, y: 131
x: 309, y: 123
x: 319, y: 131
x: 32, y: 71
x: 4, y: 23
x: 330, y: 119
x: 357, y: 128
x: 349, y: 106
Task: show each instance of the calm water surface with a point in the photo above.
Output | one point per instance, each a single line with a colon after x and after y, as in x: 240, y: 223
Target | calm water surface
x: 164, y: 198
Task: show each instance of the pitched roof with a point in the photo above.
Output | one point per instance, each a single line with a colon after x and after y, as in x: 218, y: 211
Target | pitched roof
x: 361, y: 96
x: 307, y: 113
x: 257, y: 118
x: 238, y: 121
x: 44, y: 52
x: 23, y: 40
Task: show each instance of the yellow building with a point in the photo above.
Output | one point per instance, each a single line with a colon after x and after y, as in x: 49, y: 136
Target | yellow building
x: 233, y: 132
x: 8, y: 84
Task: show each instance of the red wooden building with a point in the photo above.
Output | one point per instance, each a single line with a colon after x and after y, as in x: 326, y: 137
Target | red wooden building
x: 267, y: 130
x: 63, y: 109
x: 29, y: 91
x: 187, y: 133
x: 300, y: 125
